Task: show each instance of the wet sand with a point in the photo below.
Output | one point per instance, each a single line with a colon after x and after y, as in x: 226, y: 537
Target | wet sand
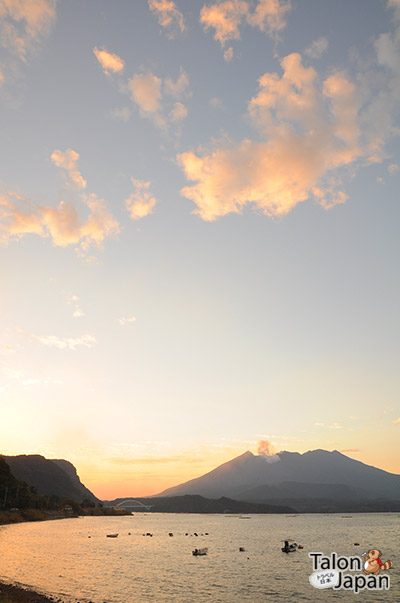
x: 16, y: 594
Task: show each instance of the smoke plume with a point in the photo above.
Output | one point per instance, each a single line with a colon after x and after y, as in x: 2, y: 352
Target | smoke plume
x: 268, y: 451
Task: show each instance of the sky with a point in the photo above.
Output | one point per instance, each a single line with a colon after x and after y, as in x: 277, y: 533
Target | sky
x: 199, y: 242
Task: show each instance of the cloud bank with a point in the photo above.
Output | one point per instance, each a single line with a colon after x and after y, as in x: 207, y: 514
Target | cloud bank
x: 312, y: 133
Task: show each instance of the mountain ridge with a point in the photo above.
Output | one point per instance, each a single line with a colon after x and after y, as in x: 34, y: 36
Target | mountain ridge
x: 260, y: 478
x: 56, y: 477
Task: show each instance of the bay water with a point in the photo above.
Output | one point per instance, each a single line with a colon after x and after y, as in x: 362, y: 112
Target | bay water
x: 73, y: 559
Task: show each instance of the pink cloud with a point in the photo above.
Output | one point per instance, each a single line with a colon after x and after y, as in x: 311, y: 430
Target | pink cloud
x: 150, y: 93
x: 63, y: 224
x: 146, y: 92
x: 168, y: 15
x: 309, y: 129
x: 141, y: 203
x: 23, y: 23
x: 109, y: 62
x: 68, y: 161
x: 227, y: 17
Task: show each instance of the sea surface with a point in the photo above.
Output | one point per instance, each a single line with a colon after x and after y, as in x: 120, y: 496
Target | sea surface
x: 73, y: 559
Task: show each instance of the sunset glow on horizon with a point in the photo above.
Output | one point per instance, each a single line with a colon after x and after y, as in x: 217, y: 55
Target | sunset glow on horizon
x: 199, y: 209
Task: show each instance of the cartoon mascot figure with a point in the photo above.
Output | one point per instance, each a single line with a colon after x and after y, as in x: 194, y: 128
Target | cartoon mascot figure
x: 373, y: 563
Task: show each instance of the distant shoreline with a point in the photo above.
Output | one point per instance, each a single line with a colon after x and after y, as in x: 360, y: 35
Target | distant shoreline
x: 12, y: 517
x: 9, y: 593
x: 30, y: 515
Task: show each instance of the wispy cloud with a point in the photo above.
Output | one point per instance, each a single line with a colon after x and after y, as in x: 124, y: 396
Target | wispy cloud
x: 384, y: 89
x: 393, y: 168
x: 179, y: 458
x: 77, y: 310
x: 127, y: 321
x: 178, y: 112
x: 270, y: 16
x: 228, y: 54
x: 17, y: 376
x: 217, y: 103
x: 141, y: 203
x: 317, y: 48
x: 63, y: 343
x: 7, y: 349
x: 68, y: 161
x: 169, y: 16
x: 158, y: 100
x: 227, y: 17
x: 179, y: 87
x: 111, y: 63
x: 146, y: 93
x: 121, y: 113
x: 24, y: 23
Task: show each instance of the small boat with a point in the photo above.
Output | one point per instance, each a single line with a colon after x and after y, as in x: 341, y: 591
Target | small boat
x: 289, y: 546
x: 112, y: 535
x: 199, y: 552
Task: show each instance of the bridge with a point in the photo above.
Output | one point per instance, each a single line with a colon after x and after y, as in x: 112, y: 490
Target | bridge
x: 130, y: 504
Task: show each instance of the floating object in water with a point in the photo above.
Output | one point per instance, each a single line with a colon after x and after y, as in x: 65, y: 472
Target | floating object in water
x: 289, y: 546
x: 200, y: 552
x: 242, y: 549
x: 356, y: 544
x: 112, y: 535
x: 300, y: 546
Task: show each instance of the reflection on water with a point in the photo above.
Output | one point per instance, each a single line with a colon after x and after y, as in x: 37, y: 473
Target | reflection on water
x: 74, y: 559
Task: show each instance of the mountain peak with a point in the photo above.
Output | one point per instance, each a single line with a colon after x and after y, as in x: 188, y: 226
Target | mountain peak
x: 250, y: 477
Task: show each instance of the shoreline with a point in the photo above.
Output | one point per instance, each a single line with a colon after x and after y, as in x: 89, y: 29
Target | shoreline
x: 10, y: 593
